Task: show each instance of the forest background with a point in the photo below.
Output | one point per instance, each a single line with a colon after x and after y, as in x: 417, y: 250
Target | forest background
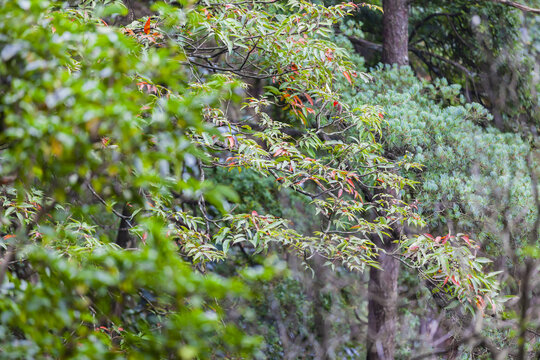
x: 269, y: 179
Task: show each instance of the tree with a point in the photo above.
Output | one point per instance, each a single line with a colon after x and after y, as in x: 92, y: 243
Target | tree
x: 428, y: 45
x: 457, y: 40
x: 383, y: 282
x: 75, y: 129
x: 137, y: 120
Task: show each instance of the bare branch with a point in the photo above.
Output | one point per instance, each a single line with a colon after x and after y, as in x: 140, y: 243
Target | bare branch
x: 516, y: 5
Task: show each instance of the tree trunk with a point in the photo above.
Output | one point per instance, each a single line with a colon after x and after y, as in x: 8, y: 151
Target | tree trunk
x: 382, y: 305
x: 383, y: 284
x: 395, y: 32
x: 123, y: 238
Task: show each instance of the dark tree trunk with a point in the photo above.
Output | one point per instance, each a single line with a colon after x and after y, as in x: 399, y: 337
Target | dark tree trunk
x: 123, y: 238
x: 383, y: 284
x: 395, y: 32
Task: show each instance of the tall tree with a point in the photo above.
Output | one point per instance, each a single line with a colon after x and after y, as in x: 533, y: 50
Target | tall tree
x: 383, y: 283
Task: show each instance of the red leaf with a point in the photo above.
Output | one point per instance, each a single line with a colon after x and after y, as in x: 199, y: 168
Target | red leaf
x: 340, y: 193
x: 254, y: 213
x: 280, y: 178
x: 446, y: 280
x: 329, y: 55
x: 298, y: 101
x: 429, y: 236
x: 347, y: 76
x: 381, y: 115
x: 147, y: 26
x: 335, y: 103
x: 309, y: 99
x: 310, y: 110
x: 279, y: 152
x: 350, y: 182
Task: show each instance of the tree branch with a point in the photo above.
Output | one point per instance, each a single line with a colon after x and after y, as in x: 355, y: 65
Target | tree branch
x: 378, y: 47
x: 516, y: 5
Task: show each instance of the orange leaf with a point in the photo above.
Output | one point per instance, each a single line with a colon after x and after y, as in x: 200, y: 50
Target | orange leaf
x: 309, y: 99
x: 347, y: 76
x: 147, y: 26
x: 329, y: 55
x: 298, y: 101
x: 279, y: 152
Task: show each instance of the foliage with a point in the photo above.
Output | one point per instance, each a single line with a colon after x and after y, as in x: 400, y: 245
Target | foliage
x: 76, y: 128
x: 471, y: 174
x: 452, y: 265
x: 477, y: 44
x: 149, y: 121
x: 105, y: 303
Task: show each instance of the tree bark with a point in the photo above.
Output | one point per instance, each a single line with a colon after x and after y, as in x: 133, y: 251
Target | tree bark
x: 395, y: 32
x: 123, y: 238
x: 382, y: 305
x: 383, y: 284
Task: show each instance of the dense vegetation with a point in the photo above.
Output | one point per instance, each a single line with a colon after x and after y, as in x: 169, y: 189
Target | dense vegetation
x: 218, y: 179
